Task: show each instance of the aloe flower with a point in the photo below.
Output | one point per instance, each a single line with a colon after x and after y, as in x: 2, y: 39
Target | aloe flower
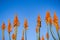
x: 25, y: 27
x: 16, y: 24
x: 47, y: 19
x: 9, y: 29
x: 55, y: 22
x: 38, y: 27
x: 3, y: 29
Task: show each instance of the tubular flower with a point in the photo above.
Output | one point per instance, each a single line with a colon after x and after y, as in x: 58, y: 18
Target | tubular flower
x: 13, y: 36
x: 39, y: 21
x: 47, y: 18
x: 25, y: 24
x: 42, y: 38
x: 55, y: 21
x: 9, y: 26
x: 47, y: 35
x: 16, y: 21
x: 3, y: 26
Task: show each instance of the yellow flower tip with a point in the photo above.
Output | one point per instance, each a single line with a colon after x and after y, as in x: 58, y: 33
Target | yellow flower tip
x: 25, y: 24
x: 16, y: 21
x: 9, y: 26
x: 13, y: 36
x: 47, y: 35
x: 3, y: 26
x: 42, y: 38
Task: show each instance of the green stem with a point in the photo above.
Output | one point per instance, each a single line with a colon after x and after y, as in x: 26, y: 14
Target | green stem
x: 52, y: 33
x: 16, y: 32
x: 39, y: 33
x: 3, y: 35
x: 58, y: 35
x: 47, y: 31
x: 37, y: 36
x: 25, y: 35
x: 9, y: 36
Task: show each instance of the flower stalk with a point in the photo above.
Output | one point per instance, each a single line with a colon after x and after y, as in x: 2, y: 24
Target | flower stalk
x: 9, y: 29
x: 3, y: 29
x: 25, y: 28
x: 38, y: 27
x: 22, y: 35
x: 16, y: 24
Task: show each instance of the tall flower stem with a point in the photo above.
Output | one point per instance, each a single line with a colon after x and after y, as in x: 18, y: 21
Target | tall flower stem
x: 39, y: 33
x: 16, y: 32
x: 52, y: 33
x: 37, y: 36
x: 58, y: 35
x: 9, y: 37
x: 47, y: 31
x: 25, y: 35
x: 3, y: 35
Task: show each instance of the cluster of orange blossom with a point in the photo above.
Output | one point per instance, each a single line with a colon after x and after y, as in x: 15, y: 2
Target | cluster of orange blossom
x: 16, y: 23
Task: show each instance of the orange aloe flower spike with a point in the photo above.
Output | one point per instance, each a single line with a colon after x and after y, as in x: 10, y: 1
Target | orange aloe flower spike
x: 13, y: 36
x: 55, y: 18
x: 16, y: 21
x: 55, y: 21
x: 3, y: 26
x: 25, y: 24
x: 39, y: 21
x: 9, y: 26
x: 47, y: 35
x: 47, y: 18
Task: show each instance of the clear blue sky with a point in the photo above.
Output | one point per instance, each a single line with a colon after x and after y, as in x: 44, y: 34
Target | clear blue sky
x: 28, y: 9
